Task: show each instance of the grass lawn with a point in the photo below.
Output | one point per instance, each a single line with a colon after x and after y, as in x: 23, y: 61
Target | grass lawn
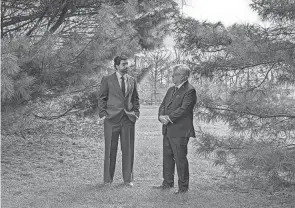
x: 67, y: 172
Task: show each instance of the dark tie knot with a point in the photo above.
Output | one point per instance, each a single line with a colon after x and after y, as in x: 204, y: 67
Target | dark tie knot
x: 122, y: 78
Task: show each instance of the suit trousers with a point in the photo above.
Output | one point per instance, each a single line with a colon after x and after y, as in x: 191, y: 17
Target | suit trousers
x: 126, y: 130
x: 175, y: 152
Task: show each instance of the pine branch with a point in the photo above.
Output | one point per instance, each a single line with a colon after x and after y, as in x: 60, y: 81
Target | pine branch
x: 16, y: 28
x: 38, y: 22
x: 238, y: 67
x: 18, y: 19
x: 82, y: 90
x: 61, y: 17
x: 253, y: 114
x: 77, y: 56
x: 55, y: 116
x: 266, y: 75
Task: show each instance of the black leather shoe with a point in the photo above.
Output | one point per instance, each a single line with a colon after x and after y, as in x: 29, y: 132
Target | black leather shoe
x: 181, y: 191
x: 162, y: 187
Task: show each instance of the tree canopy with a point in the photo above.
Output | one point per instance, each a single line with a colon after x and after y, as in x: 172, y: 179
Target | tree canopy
x: 54, y: 53
x: 55, y: 45
x: 246, y: 75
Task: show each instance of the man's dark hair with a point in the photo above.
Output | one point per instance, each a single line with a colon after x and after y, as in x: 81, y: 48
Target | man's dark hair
x: 118, y: 59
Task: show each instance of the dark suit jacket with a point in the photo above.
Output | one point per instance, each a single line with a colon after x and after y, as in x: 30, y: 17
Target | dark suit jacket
x: 113, y: 104
x: 179, y: 108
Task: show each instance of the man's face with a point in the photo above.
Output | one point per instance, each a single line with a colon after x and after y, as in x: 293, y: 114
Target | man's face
x: 177, y: 77
x: 122, y: 67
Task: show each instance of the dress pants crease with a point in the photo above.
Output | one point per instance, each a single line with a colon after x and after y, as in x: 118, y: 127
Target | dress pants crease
x: 112, y: 131
x: 175, y: 153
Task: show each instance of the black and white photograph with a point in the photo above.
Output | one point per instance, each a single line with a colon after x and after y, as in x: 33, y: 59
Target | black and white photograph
x: 148, y: 103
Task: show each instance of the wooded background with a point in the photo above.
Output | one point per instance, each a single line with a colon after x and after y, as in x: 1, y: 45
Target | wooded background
x: 54, y: 53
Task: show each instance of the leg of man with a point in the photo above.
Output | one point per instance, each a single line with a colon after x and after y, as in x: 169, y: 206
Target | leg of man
x: 179, y: 146
x: 111, y: 134
x: 127, y: 147
x: 168, y: 163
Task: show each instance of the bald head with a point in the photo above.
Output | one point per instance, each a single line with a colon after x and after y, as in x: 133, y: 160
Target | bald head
x: 181, y: 73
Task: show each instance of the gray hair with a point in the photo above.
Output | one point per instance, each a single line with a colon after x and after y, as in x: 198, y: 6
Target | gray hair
x: 183, y: 69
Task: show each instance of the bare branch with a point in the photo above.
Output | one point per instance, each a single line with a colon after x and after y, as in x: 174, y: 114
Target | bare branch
x: 61, y: 17
x: 252, y: 114
x: 56, y: 116
x: 266, y: 75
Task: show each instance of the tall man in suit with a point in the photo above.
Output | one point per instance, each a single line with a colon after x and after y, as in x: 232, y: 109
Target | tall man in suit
x: 119, y: 107
x: 176, y: 115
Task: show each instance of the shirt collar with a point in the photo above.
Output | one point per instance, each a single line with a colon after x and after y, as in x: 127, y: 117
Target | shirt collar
x: 179, y: 86
x: 119, y: 75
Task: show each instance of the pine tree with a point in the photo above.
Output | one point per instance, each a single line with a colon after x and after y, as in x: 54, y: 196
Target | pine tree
x: 245, y: 76
x: 57, y: 51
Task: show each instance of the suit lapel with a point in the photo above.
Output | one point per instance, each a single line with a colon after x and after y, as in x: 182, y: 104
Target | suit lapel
x: 171, y: 94
x: 116, y: 84
x: 177, y: 93
x: 171, y: 97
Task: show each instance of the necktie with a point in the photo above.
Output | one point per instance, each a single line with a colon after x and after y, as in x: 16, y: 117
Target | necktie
x: 123, y: 85
x: 174, y: 91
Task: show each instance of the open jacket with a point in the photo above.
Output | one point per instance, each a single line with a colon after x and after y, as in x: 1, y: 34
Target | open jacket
x: 113, y: 104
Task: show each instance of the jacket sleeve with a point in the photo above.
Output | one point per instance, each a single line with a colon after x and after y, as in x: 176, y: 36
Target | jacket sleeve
x: 188, y: 102
x: 161, y: 111
x: 135, y: 100
x: 103, y: 97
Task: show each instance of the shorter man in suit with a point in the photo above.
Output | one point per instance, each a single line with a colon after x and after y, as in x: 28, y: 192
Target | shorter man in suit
x: 176, y: 115
x: 119, y: 107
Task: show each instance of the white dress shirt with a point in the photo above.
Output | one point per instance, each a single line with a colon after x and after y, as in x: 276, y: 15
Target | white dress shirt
x: 126, y: 84
x: 179, y: 86
x: 120, y: 80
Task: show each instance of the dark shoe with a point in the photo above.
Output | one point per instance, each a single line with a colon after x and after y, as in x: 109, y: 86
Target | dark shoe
x: 162, y: 187
x: 181, y: 191
x: 129, y: 184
